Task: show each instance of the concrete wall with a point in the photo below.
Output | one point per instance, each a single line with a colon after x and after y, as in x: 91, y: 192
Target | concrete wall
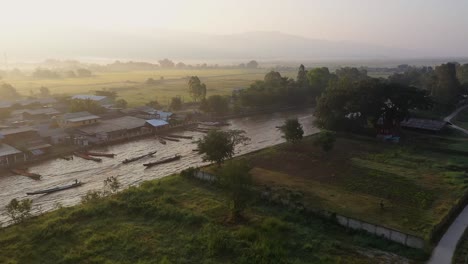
x: 388, y: 233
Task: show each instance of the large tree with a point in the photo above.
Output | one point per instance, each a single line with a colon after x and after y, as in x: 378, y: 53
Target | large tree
x: 447, y: 90
x: 318, y: 79
x: 8, y: 92
x: 349, y: 105
x: 220, y: 145
x: 292, y: 130
x: 197, y: 89
x: 237, y: 181
x: 301, y: 79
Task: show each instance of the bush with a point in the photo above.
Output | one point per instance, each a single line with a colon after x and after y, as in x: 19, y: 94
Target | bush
x: 326, y: 140
x: 19, y: 210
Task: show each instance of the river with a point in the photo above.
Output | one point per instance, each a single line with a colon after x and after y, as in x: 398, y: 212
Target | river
x: 261, y: 129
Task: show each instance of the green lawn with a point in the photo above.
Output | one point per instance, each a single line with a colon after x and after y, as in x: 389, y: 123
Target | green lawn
x: 418, y: 187
x: 131, y: 85
x: 178, y: 220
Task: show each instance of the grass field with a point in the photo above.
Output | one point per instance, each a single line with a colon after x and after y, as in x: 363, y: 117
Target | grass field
x: 417, y: 187
x: 179, y: 220
x: 131, y: 85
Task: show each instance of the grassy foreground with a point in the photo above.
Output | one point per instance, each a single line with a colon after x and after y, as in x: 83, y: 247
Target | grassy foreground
x: 179, y: 220
x: 417, y: 187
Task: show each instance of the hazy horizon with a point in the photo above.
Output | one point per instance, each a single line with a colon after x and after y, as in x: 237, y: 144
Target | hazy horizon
x: 221, y: 30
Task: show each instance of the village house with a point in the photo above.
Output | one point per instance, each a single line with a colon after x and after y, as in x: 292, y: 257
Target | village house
x: 9, y: 155
x: 114, y: 129
x: 33, y: 115
x: 148, y: 113
x: 26, y: 139
x: 156, y: 124
x: 77, y: 119
x: 53, y: 135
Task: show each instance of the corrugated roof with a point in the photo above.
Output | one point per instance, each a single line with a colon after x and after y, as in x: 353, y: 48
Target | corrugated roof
x: 89, y: 97
x: 79, y: 116
x: 11, y: 131
x: 427, y: 124
x: 6, y: 150
x: 111, y: 125
x: 157, y: 122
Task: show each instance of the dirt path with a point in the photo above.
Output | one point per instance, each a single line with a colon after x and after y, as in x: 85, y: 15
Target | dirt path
x: 452, y: 115
x: 445, y: 249
x: 443, y: 252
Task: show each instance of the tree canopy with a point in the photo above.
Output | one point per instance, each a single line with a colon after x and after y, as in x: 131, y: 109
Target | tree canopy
x: 348, y: 105
x: 215, y: 104
x: 292, y: 130
x: 176, y: 103
x: 220, y: 145
x: 80, y: 105
x: 197, y: 89
x: 8, y: 92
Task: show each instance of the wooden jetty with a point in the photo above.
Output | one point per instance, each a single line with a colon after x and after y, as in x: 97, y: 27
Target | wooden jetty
x: 57, y: 189
x: 170, y: 139
x: 139, y: 157
x: 97, y: 154
x: 176, y: 157
x: 179, y: 136
x: 86, y: 157
x: 24, y: 172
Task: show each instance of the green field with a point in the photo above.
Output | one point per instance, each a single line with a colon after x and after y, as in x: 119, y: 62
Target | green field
x: 179, y: 220
x: 461, y: 119
x: 418, y: 187
x: 131, y: 85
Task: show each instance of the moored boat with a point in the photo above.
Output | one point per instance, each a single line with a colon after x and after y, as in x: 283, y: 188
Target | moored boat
x: 179, y: 136
x: 176, y: 157
x: 170, y: 139
x: 86, y: 157
x: 97, y: 154
x: 139, y: 157
x: 57, y: 189
x: 24, y: 172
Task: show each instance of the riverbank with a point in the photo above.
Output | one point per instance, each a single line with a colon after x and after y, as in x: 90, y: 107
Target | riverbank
x: 179, y: 220
x: 58, y: 172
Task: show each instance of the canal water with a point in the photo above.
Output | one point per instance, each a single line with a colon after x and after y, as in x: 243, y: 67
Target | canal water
x: 261, y: 129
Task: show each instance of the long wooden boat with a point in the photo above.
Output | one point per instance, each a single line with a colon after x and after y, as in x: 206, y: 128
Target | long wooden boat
x: 97, y: 154
x: 67, y: 158
x: 214, y: 124
x: 176, y: 157
x: 56, y: 189
x: 139, y: 157
x: 162, y: 141
x: 170, y: 139
x: 179, y: 136
x: 86, y: 157
x: 34, y: 176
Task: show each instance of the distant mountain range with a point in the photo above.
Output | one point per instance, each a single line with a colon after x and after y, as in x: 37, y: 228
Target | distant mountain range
x: 158, y: 44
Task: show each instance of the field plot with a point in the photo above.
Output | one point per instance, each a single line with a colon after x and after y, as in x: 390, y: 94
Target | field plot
x: 417, y: 188
x: 132, y: 87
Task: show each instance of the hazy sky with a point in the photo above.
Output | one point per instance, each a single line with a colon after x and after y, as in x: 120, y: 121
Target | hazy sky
x: 431, y: 25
